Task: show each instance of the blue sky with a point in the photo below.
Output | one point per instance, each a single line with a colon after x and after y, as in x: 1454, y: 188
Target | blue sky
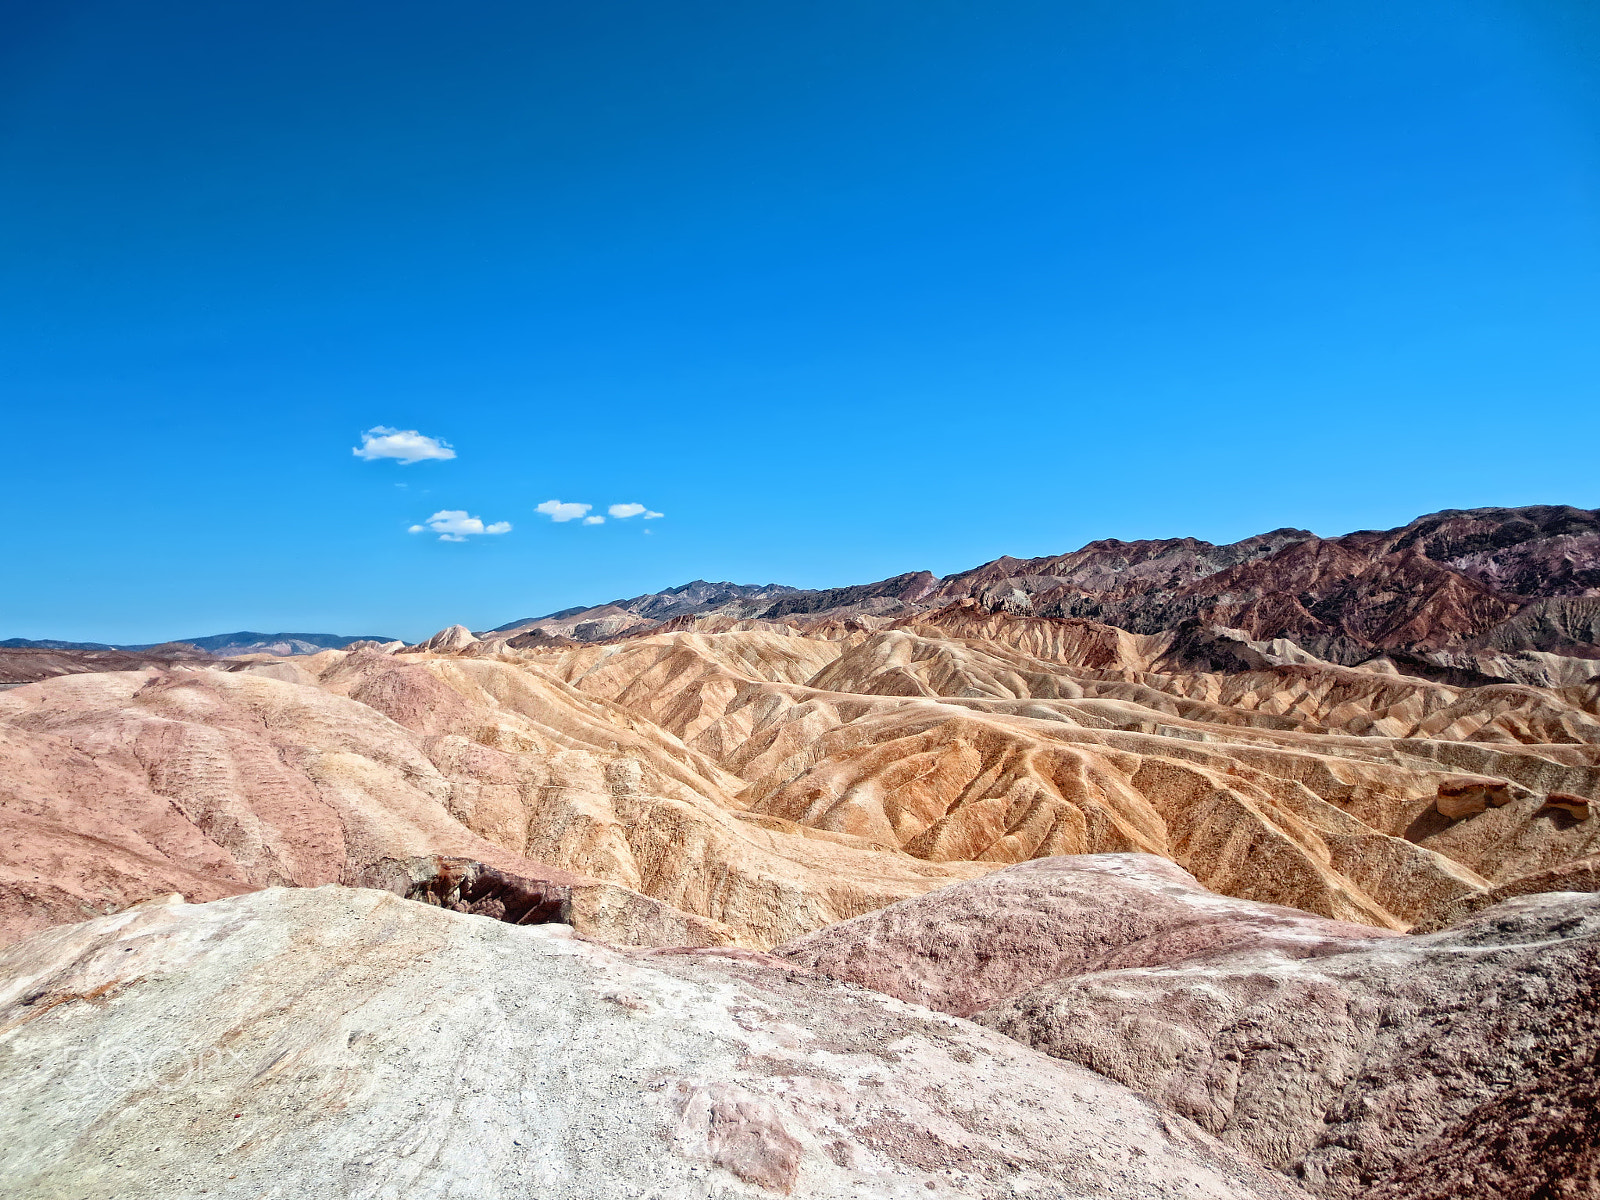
x: 840, y: 289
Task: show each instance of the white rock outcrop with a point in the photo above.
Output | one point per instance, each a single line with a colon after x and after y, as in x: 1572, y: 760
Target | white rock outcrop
x: 338, y: 1042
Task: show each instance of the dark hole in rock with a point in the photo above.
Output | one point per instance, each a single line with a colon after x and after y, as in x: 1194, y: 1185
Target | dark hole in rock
x: 467, y: 886
x: 472, y: 887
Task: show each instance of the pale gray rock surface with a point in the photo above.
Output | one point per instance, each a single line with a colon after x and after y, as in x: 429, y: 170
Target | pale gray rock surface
x: 335, y: 1042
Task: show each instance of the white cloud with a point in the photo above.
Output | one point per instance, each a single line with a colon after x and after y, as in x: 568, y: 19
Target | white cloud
x: 406, y: 445
x: 559, y: 512
x: 623, y: 511
x: 454, y: 525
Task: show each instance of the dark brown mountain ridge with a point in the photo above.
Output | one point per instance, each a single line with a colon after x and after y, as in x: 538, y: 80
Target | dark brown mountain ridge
x: 1463, y: 596
x: 1448, y: 595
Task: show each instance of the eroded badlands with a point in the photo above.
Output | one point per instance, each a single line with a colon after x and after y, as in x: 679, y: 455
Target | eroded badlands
x: 920, y: 888
x: 749, y: 786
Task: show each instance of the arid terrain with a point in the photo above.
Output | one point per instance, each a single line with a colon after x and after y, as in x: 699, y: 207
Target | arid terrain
x: 1158, y: 868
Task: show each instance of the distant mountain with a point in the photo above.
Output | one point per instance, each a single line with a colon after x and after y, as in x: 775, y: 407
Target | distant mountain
x: 697, y: 598
x: 1439, y: 596
x: 1435, y: 595
x: 52, y: 644
x: 27, y: 663
x: 222, y: 645
x: 1485, y: 580
x: 225, y: 645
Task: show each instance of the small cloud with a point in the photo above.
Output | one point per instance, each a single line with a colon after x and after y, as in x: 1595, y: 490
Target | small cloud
x: 624, y: 511
x: 559, y: 512
x: 454, y: 525
x: 594, y: 520
x: 407, y: 446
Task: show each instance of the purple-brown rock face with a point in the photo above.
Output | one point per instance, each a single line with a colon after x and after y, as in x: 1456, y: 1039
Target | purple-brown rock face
x: 1340, y: 1071
x: 1538, y: 1140
x: 1345, y: 1059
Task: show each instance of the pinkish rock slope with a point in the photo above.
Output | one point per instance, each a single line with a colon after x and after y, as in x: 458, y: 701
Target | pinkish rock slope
x: 966, y: 948
x: 1344, y: 1058
x: 1340, y: 1070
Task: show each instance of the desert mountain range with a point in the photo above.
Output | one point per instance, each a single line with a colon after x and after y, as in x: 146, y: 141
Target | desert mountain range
x: 220, y: 645
x: 1460, y: 595
x: 1153, y: 869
